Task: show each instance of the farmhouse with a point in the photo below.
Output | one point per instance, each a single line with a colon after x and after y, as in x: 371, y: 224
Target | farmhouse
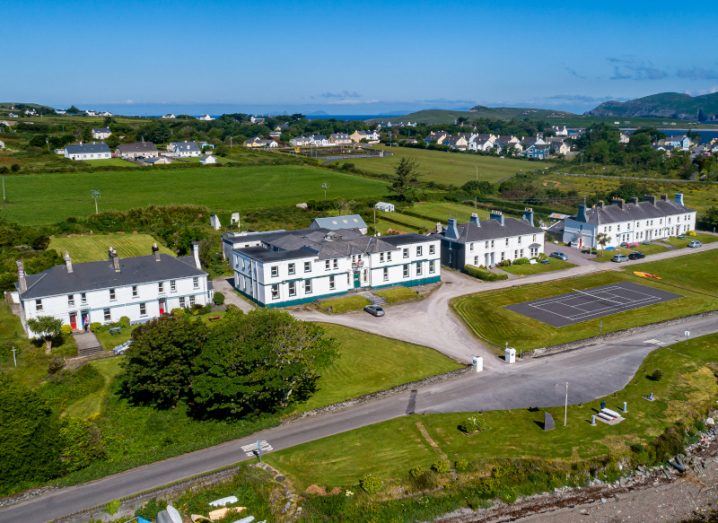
x: 156, y: 160
x: 489, y: 242
x: 336, y: 223
x: 208, y: 160
x: 87, y: 151
x: 140, y: 288
x: 260, y: 143
x: 284, y: 268
x: 184, y: 149
x: 364, y: 136
x: 384, y: 206
x: 629, y: 222
x: 340, y: 139
x: 103, y: 133
x: 168, y: 116
x: 133, y: 151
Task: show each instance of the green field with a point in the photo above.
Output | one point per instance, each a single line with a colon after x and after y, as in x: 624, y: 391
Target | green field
x: 93, y: 247
x: 442, y: 211
x: 448, y: 168
x: 48, y: 198
x: 693, y: 277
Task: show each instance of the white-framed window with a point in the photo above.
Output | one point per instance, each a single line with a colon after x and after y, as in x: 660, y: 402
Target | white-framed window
x: 335, y: 263
x: 471, y: 246
x: 173, y: 285
x: 70, y: 300
x: 503, y: 256
x: 275, y: 291
x: 291, y: 268
x: 307, y: 286
x: 134, y: 291
x: 386, y: 274
x: 274, y: 270
x: 38, y: 305
x: 419, y: 268
x: 507, y: 241
x: 419, y: 250
x: 106, y: 314
x: 406, y: 270
x: 143, y: 309
x: 381, y: 257
x: 432, y: 249
x: 486, y: 244
x: 292, y: 288
x: 182, y: 302
x: 332, y: 284
x: 113, y: 295
x: 476, y: 261
x: 195, y: 282
x: 161, y: 287
x: 83, y: 298
x: 405, y: 253
x: 432, y: 266
x: 191, y: 301
x: 388, y: 256
x: 327, y: 265
x: 307, y: 266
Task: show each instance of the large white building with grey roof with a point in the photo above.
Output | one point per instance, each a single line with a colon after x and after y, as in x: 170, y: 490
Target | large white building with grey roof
x: 487, y: 243
x: 283, y: 268
x: 629, y: 222
x: 141, y: 288
x: 87, y: 151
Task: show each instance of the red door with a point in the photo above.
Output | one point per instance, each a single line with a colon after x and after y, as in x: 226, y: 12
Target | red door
x: 163, y: 304
x: 73, y: 320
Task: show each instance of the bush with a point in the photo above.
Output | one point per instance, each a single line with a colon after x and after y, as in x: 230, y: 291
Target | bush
x: 470, y: 425
x: 422, y: 478
x: 371, y: 484
x: 443, y: 466
x: 504, y: 263
x: 656, y: 375
x: 56, y: 365
x: 124, y: 322
x: 637, y: 448
x: 218, y: 298
x: 95, y: 326
x: 463, y: 465
x: 520, y: 261
x: 82, y: 444
x: 66, y: 330
x: 483, y: 274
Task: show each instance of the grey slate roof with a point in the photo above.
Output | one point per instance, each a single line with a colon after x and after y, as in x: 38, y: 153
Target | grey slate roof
x: 634, y: 211
x: 102, y: 130
x: 101, y: 275
x: 84, y: 148
x: 405, y: 239
x: 137, y: 147
x: 185, y: 146
x: 349, y: 221
x: 492, y: 229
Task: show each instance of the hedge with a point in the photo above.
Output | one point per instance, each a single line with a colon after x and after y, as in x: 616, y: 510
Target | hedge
x: 483, y: 274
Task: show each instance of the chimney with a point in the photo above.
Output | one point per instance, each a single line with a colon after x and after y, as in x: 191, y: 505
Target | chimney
x: 21, y: 280
x: 529, y: 216
x: 156, y: 251
x: 475, y: 220
x: 439, y: 228
x: 664, y: 197
x: 115, y: 260
x: 195, y: 254
x: 650, y: 198
x: 452, y: 231
x: 620, y: 202
x: 68, y: 262
x: 601, y: 204
x: 679, y: 199
x: 497, y: 216
x: 633, y: 199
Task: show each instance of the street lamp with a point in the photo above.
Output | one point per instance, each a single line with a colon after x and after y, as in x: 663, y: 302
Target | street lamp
x: 95, y: 194
x: 325, y: 186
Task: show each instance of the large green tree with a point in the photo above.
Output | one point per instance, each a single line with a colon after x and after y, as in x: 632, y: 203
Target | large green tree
x: 258, y: 362
x: 406, y: 180
x: 46, y: 328
x: 158, y: 364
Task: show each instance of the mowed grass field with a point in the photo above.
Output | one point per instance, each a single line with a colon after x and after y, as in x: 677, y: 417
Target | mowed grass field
x: 693, y: 277
x: 48, y: 198
x: 93, y: 247
x: 448, y: 168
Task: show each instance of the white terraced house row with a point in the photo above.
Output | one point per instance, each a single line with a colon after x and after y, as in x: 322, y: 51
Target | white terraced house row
x: 140, y: 288
x: 87, y: 151
x: 285, y: 268
x: 629, y: 222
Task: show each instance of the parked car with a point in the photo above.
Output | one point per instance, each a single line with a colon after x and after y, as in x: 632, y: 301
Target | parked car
x: 694, y: 244
x: 559, y: 255
x: 375, y: 310
x: 619, y: 258
x: 636, y: 255
x: 120, y: 349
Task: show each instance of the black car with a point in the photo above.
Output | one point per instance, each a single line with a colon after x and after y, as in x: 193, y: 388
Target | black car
x: 636, y: 255
x: 374, y: 310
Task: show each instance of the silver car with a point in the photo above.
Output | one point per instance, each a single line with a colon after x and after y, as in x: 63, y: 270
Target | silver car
x: 375, y: 310
x: 122, y: 348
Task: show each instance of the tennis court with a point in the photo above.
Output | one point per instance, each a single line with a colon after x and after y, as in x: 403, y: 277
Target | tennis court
x: 587, y: 304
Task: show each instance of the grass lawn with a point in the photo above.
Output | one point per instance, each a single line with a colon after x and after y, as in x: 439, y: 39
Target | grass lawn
x: 388, y: 450
x: 554, y: 264
x: 112, y: 162
x: 701, y: 237
x: 692, y: 276
x: 342, y: 304
x: 406, y: 221
x: 448, y: 168
x: 442, y: 211
x: 653, y: 248
x: 398, y: 294
x: 369, y: 363
x: 93, y: 247
x: 48, y: 198
x: 385, y: 227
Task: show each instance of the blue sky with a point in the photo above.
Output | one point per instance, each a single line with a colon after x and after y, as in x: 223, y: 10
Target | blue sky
x: 354, y: 57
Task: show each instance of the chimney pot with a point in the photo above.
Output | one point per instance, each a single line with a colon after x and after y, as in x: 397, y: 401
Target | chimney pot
x: 68, y: 262
x: 156, y: 251
x: 21, y: 280
x: 195, y: 254
x: 475, y: 219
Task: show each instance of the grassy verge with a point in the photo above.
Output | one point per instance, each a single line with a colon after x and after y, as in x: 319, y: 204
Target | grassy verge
x: 554, y: 264
x: 511, y: 454
x: 343, y: 304
x: 693, y: 277
x: 398, y: 294
x: 93, y: 247
x: 701, y: 237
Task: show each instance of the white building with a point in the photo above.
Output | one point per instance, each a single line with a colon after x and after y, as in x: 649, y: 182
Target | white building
x: 629, y: 222
x: 140, y: 288
x: 485, y: 244
x: 384, y: 206
x: 208, y: 160
x: 285, y: 268
x: 184, y: 149
x: 103, y: 133
x: 205, y: 117
x: 168, y: 116
x: 365, y: 136
x: 87, y: 151
x: 340, y: 139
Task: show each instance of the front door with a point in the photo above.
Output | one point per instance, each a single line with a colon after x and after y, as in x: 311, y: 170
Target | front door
x: 357, y: 279
x: 163, y: 306
x: 73, y: 320
x: 85, y: 320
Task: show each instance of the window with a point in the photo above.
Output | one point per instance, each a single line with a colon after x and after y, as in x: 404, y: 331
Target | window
x: 405, y: 253
x: 291, y: 269
x: 432, y: 249
x: 106, y: 313
x: 386, y: 273
x: 331, y: 283
x: 191, y: 301
x: 307, y: 286
x: 307, y: 266
x: 522, y: 253
x: 161, y: 287
x: 492, y: 243
x: 519, y: 240
x: 38, y: 305
x: 70, y: 300
x: 275, y: 271
x: 420, y: 251
x: 195, y: 282
x: 134, y: 291
x: 476, y: 261
x: 381, y: 257
x: 503, y: 256
x: 486, y: 244
x: 406, y: 270
x: 432, y: 266
x: 173, y: 285
x: 388, y: 256
x: 113, y: 296
x: 335, y: 263
x: 507, y: 241
x: 327, y: 265
x: 182, y: 302
x: 275, y: 291
x: 83, y: 298
x: 419, y: 268
x: 292, y: 288
x: 143, y: 309
x: 534, y: 238
x: 471, y: 246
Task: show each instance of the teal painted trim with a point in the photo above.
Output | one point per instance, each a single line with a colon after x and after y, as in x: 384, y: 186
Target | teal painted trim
x: 410, y: 283
x: 302, y: 301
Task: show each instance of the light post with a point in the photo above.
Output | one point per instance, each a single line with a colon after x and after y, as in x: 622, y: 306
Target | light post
x: 95, y: 196
x: 325, y: 186
x: 14, y: 357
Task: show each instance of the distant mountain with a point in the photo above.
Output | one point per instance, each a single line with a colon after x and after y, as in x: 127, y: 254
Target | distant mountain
x: 445, y: 116
x: 663, y: 105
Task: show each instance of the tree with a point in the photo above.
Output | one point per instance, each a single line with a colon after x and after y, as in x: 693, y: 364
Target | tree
x: 406, y: 181
x: 603, y: 239
x: 158, y: 364
x: 258, y: 362
x: 47, y: 328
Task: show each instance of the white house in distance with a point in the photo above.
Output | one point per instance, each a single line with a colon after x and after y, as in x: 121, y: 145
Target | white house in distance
x: 629, y: 222
x: 141, y: 288
x: 384, y: 206
x: 364, y: 136
x: 486, y: 243
x: 103, y: 133
x: 87, y: 151
x: 208, y: 160
x: 205, y: 117
x: 284, y: 268
x: 133, y: 151
x: 184, y: 149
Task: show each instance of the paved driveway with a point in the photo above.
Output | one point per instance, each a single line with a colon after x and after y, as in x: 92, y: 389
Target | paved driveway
x: 231, y: 297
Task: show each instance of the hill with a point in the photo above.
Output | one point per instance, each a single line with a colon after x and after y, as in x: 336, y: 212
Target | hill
x: 663, y: 105
x: 445, y: 116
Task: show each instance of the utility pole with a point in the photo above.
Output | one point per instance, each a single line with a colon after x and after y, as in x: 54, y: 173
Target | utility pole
x: 565, y: 407
x: 14, y: 358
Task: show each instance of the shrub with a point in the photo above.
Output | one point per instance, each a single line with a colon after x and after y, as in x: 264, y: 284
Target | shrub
x: 470, y: 425
x: 463, y: 465
x: 82, y: 444
x: 371, y: 484
x: 95, y: 326
x: 124, y: 322
x: 637, y: 448
x: 218, y: 298
x: 56, y: 365
x: 422, y: 478
x: 66, y: 330
x: 504, y: 263
x: 483, y: 274
x: 520, y: 261
x: 656, y: 375
x: 113, y: 506
x: 443, y: 466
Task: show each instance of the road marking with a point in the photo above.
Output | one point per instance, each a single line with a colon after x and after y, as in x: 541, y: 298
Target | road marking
x: 654, y: 341
x: 251, y: 449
